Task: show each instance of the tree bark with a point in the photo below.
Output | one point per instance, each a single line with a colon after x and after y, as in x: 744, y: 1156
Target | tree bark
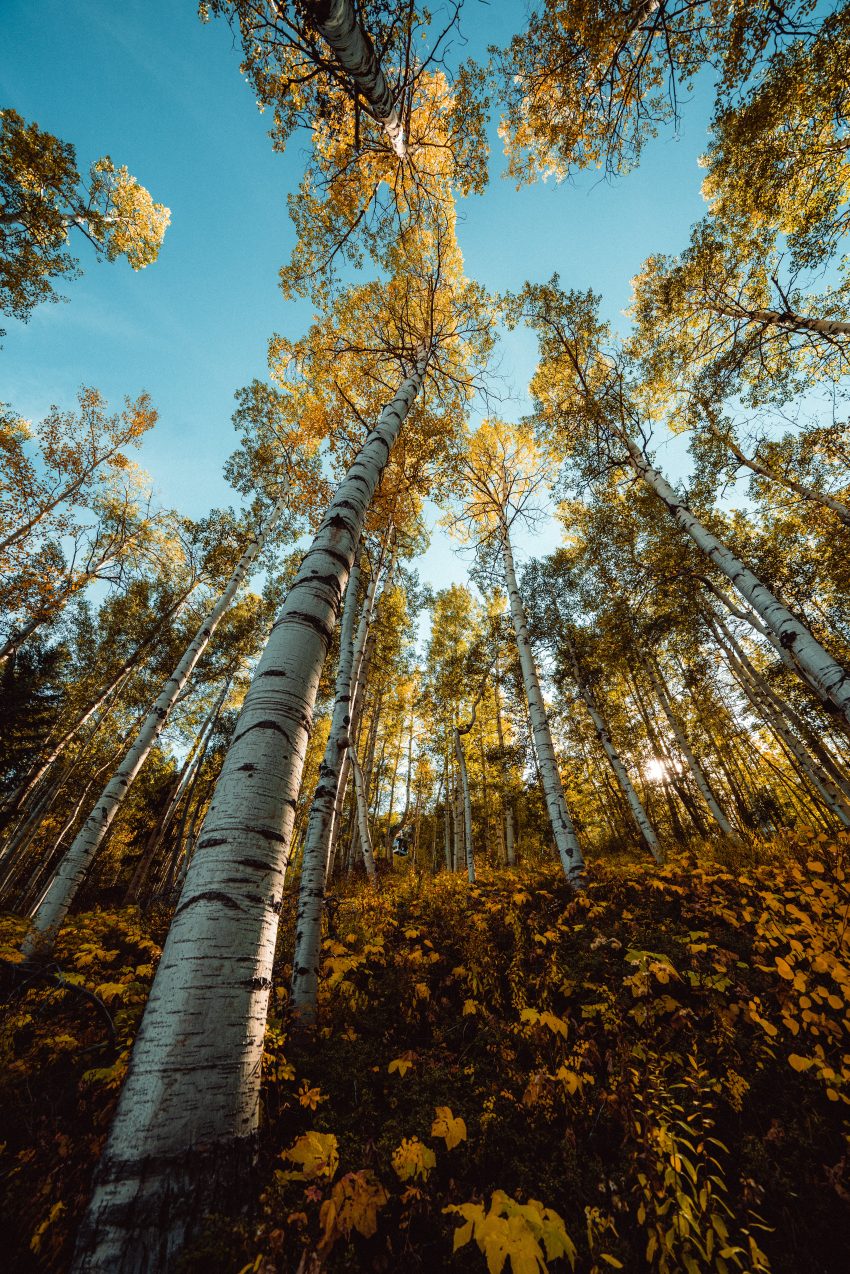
x: 188, y: 1114
x: 337, y: 20
x: 51, y: 911
x: 566, y: 841
x: 832, y: 680
x: 687, y: 752
x: 311, y: 893
x: 645, y: 828
x: 467, y: 805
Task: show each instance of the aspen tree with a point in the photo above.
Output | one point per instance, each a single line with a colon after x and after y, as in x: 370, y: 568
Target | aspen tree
x: 53, y: 907
x: 502, y: 471
x: 645, y: 828
x: 577, y: 382
x: 43, y: 198
x: 311, y: 893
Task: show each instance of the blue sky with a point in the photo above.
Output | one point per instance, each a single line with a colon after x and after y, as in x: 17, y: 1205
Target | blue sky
x: 149, y: 84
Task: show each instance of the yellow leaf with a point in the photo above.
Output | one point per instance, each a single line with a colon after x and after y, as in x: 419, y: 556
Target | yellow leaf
x: 784, y: 969
x: 353, y: 1205
x: 317, y: 1155
x: 413, y: 1159
x: 469, y: 1008
x: 451, y: 1129
x: 400, y: 1064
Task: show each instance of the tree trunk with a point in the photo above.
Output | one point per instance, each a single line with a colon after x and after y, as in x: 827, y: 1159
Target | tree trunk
x: 53, y: 908
x: 507, y: 803
x: 645, y: 828
x: 684, y: 747
x: 311, y: 893
x: 467, y: 806
x: 338, y: 23
x: 187, y: 1118
x: 567, y: 844
x: 832, y: 681
x: 363, y: 819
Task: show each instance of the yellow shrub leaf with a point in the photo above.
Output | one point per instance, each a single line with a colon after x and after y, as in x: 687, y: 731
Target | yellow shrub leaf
x: 413, y: 1159
x: 315, y: 1154
x: 451, y: 1129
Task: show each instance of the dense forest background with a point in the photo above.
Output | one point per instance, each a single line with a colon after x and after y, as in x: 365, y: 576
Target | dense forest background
x: 425, y: 799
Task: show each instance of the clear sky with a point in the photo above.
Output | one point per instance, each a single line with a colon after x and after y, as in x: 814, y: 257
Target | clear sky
x: 147, y: 83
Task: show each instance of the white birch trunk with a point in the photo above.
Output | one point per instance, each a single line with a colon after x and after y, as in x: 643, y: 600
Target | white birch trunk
x: 53, y: 907
x: 830, y: 678
x: 813, y: 744
x: 358, y: 692
x: 767, y: 706
x: 684, y: 747
x: 782, y: 318
x: 363, y: 818
x: 337, y: 20
x: 187, y: 1118
x: 791, y: 484
x: 645, y: 828
x: 569, y: 850
x: 311, y: 891
x: 510, y: 852
x: 467, y: 806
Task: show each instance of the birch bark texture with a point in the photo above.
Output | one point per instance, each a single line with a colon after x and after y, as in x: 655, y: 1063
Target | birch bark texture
x: 187, y: 1117
x: 566, y: 841
x: 50, y: 912
x: 337, y: 21
x: 831, y: 680
x: 311, y: 891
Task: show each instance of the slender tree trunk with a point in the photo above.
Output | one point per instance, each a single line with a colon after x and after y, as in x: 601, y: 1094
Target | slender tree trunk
x: 311, y: 893
x: 644, y: 827
x: 684, y: 747
x: 338, y: 23
x: 790, y: 484
x: 832, y: 681
x: 783, y: 318
x: 814, y: 745
x: 467, y: 806
x: 182, y: 781
x: 567, y: 844
x: 363, y: 819
x: 187, y: 1118
x: 507, y: 803
x: 761, y: 701
x: 53, y: 908
x: 457, y: 814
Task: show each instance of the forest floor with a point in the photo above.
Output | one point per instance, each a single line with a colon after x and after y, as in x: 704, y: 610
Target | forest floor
x: 653, y: 1075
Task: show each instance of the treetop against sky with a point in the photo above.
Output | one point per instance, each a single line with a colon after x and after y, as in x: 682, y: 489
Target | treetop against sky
x: 160, y: 91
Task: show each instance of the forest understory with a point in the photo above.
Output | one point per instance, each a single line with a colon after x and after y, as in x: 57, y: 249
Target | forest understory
x: 654, y: 1072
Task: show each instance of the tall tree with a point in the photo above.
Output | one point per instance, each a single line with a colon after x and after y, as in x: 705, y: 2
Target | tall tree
x: 43, y: 198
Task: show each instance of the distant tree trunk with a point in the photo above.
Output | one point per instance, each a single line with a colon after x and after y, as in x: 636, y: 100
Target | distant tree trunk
x: 645, y: 828
x: 51, y: 911
x: 467, y: 806
x: 567, y: 844
x: 687, y: 752
x: 363, y: 819
x: 185, y: 1129
x: 507, y: 803
x: 311, y: 893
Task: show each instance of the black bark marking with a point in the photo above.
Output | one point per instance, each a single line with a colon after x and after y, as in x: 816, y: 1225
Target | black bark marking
x: 210, y: 895
x: 263, y: 725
